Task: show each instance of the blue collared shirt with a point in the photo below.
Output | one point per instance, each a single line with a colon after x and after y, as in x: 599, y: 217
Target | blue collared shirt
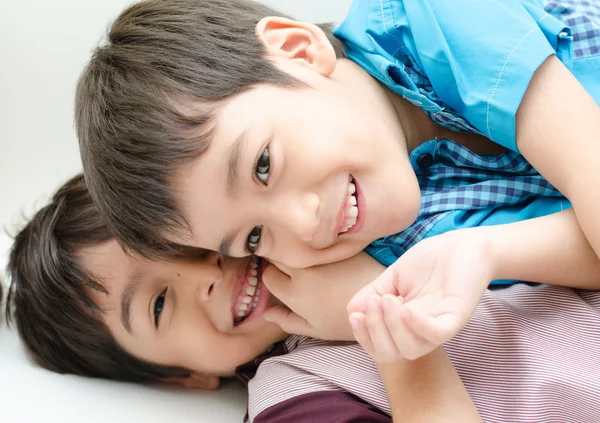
x: 467, y: 64
x: 461, y: 189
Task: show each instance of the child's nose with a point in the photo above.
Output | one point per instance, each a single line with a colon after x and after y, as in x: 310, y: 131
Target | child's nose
x: 301, y: 215
x: 210, y: 277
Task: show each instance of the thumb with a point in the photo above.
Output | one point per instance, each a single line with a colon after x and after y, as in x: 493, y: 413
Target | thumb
x: 383, y: 284
x: 277, y: 282
x: 288, y: 321
x: 285, y: 269
x: 358, y: 303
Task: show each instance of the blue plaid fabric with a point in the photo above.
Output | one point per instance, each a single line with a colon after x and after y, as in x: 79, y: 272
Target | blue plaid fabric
x: 583, y: 17
x: 418, y: 82
x: 457, y: 180
x: 480, y: 62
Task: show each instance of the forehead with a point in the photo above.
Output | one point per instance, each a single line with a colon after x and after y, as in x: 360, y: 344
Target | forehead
x: 201, y: 186
x: 109, y: 263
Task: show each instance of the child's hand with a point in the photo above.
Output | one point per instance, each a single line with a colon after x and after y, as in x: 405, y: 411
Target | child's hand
x: 423, y: 299
x: 316, y: 297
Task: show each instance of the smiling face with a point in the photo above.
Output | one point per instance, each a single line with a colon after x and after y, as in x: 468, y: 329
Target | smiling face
x: 302, y: 176
x: 203, y: 315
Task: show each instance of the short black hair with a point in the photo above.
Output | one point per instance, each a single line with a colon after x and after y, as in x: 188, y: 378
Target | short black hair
x: 49, y: 297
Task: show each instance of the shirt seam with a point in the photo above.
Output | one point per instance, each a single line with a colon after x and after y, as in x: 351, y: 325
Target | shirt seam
x: 487, y: 114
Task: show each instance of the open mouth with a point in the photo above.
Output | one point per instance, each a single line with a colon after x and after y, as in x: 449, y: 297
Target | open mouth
x: 249, y: 293
x: 350, y: 208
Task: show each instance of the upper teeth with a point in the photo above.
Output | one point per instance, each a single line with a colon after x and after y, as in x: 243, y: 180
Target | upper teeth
x: 351, y: 209
x: 249, y: 297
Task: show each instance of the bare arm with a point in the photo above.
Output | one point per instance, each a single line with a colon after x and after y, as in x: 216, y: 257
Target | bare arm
x: 558, y: 131
x: 427, y: 390
x: 550, y: 249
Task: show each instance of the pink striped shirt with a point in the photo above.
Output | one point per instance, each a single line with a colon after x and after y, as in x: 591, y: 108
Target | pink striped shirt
x: 529, y: 354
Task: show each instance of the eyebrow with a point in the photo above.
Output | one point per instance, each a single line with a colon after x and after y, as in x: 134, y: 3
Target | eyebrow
x: 233, y: 173
x: 226, y: 243
x: 126, y: 299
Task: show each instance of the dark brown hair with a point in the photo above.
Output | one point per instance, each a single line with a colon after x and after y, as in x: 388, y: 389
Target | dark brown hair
x: 49, y: 294
x: 145, y: 103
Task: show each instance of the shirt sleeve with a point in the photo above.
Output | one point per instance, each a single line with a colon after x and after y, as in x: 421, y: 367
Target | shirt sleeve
x: 480, y: 56
x: 323, y: 407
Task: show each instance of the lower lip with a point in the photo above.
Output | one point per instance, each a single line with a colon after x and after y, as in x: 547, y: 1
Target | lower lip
x: 360, y: 203
x: 263, y: 298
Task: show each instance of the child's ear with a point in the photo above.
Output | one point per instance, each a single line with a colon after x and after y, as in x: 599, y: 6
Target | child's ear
x: 297, y: 41
x: 195, y: 381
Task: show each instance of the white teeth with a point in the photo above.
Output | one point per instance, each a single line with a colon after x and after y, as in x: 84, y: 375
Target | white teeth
x: 351, y: 209
x: 248, y: 302
x: 351, y: 217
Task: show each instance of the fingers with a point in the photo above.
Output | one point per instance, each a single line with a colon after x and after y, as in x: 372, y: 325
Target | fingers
x: 371, y: 331
x: 277, y: 282
x: 384, y: 284
x: 408, y: 339
x: 383, y: 341
x: 358, y: 303
x: 288, y: 321
x: 389, y: 331
x: 434, y: 330
x: 361, y: 333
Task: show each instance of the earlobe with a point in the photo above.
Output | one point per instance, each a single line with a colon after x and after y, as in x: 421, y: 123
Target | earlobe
x: 195, y: 381
x: 298, y: 41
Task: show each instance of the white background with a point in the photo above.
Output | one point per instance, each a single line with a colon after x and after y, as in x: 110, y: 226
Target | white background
x: 44, y: 45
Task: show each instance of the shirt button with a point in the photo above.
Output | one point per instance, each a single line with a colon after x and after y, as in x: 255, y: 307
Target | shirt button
x: 425, y: 160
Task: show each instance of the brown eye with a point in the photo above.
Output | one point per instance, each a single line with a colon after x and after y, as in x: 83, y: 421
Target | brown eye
x: 263, y: 167
x: 253, y: 240
x: 159, y: 304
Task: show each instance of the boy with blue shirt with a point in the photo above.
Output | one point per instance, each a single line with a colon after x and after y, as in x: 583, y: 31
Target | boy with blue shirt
x: 84, y: 306
x: 252, y: 134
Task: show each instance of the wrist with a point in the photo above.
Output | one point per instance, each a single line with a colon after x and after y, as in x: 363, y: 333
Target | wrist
x: 485, y: 240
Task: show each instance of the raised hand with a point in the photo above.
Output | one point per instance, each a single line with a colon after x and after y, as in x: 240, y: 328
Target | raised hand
x: 423, y: 299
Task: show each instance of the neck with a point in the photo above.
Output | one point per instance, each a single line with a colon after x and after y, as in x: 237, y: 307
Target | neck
x: 413, y: 125
x: 417, y: 126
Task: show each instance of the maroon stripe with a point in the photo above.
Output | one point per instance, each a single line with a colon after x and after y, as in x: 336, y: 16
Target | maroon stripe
x: 323, y: 407
x: 529, y: 354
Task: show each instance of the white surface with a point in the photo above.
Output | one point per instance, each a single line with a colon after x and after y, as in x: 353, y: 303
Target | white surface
x: 44, y: 45
x: 31, y: 394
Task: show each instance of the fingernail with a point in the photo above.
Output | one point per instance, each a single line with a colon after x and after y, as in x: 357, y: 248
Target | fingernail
x: 355, y: 322
x: 268, y: 319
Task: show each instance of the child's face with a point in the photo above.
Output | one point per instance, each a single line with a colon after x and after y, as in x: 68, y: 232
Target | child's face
x: 184, y: 313
x: 301, y: 176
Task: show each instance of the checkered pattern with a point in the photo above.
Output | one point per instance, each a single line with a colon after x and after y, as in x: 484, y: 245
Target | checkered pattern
x: 459, y: 179
x: 583, y: 17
